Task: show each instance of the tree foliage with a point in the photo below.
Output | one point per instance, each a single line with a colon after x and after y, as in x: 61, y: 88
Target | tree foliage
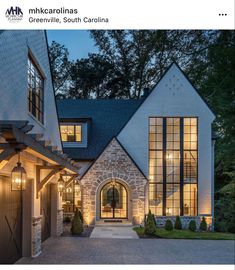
x: 60, y: 67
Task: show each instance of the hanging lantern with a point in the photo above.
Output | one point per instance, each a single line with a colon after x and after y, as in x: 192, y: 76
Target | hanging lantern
x: 18, y: 177
x: 61, y: 184
x: 65, y: 176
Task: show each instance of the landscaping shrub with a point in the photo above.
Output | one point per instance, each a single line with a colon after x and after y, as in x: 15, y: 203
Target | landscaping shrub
x: 77, y: 226
x: 150, y: 226
x: 168, y: 225
x: 220, y: 226
x: 231, y: 227
x: 178, y: 224
x: 203, y: 224
x: 80, y: 215
x: 192, y: 225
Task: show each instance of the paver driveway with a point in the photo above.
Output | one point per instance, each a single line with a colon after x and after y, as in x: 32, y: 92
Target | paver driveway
x: 122, y: 232
x: 77, y: 250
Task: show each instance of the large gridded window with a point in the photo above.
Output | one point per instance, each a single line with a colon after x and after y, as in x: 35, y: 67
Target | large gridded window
x: 173, y: 166
x: 190, y: 166
x: 35, y: 91
x: 71, y: 133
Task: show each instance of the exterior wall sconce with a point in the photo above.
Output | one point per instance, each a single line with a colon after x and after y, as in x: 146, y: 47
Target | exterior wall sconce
x: 61, y: 184
x: 18, y: 176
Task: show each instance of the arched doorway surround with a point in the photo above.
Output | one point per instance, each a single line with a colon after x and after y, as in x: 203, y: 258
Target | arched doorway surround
x: 113, y: 200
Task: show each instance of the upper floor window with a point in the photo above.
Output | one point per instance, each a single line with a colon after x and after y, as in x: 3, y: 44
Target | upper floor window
x: 35, y: 91
x: 71, y: 133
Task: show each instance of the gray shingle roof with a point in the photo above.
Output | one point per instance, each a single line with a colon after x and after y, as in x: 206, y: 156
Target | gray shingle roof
x: 108, y: 116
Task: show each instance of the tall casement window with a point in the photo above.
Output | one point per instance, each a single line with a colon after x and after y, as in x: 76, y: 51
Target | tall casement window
x: 71, y: 133
x: 173, y: 166
x: 35, y: 91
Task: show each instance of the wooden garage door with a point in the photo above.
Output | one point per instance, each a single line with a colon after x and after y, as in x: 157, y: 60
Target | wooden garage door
x: 46, y: 211
x: 10, y: 222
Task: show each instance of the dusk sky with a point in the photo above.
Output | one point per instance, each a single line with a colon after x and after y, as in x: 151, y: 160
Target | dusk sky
x: 78, y: 42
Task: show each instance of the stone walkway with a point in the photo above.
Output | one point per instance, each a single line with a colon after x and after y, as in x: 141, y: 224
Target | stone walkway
x: 120, y: 232
x: 82, y: 250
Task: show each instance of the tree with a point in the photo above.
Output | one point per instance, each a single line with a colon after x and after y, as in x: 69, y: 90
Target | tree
x: 140, y: 57
x: 89, y: 77
x: 60, y: 67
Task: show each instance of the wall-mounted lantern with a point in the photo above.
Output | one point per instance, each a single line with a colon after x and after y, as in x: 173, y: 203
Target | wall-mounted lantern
x: 18, y: 176
x: 61, y: 184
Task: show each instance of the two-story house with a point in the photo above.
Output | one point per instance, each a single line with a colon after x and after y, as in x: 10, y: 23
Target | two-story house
x: 154, y: 153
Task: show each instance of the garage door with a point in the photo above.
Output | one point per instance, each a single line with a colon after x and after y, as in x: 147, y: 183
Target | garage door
x: 10, y: 222
x: 46, y: 211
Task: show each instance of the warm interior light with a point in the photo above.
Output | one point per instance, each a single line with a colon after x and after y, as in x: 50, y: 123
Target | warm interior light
x: 169, y: 156
x: 168, y: 211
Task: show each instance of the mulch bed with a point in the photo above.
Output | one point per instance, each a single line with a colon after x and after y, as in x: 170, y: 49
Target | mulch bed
x: 87, y: 230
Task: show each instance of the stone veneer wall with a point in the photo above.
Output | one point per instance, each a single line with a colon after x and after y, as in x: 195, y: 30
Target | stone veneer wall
x: 160, y: 221
x: 59, y: 224
x: 36, y: 236
x: 114, y: 163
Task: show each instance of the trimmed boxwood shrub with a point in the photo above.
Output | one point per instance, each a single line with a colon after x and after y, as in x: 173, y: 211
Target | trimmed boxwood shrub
x: 77, y: 226
x: 203, y: 224
x: 168, y: 225
x: 80, y: 215
x: 150, y: 226
x: 192, y: 225
x: 178, y: 224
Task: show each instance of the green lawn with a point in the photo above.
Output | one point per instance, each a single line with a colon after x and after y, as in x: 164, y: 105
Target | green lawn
x: 186, y: 234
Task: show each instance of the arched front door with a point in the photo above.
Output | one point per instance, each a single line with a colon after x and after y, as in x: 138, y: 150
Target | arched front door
x: 113, y: 200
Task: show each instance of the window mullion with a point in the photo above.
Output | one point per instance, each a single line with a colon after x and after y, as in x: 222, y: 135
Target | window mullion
x: 164, y: 166
x: 181, y: 166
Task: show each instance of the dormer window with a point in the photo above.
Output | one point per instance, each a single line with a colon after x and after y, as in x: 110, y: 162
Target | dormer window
x: 71, y: 133
x: 35, y: 91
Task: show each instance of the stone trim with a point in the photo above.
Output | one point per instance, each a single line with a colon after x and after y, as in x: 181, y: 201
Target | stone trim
x: 59, y: 223
x: 161, y: 220
x: 36, y: 235
x: 114, y: 163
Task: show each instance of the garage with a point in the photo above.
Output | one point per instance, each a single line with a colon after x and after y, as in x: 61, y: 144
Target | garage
x: 10, y: 222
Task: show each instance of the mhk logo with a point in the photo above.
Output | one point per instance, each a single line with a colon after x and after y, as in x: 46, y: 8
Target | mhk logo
x: 14, y: 14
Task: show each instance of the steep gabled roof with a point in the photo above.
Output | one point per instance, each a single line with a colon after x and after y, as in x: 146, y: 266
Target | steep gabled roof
x: 107, y: 116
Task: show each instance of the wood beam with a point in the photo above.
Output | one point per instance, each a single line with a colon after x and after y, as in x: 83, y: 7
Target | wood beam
x: 72, y: 177
x: 8, y: 152
x: 41, y: 183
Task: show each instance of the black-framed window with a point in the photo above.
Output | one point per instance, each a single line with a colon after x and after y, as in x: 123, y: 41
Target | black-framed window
x: 35, y: 91
x: 173, y: 165
x: 190, y: 166
x: 71, y: 133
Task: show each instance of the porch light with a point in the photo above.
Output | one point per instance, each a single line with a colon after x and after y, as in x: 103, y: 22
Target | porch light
x: 18, y: 176
x: 61, y: 184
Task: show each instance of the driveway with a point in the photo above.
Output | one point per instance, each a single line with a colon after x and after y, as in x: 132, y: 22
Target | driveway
x: 78, y: 250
